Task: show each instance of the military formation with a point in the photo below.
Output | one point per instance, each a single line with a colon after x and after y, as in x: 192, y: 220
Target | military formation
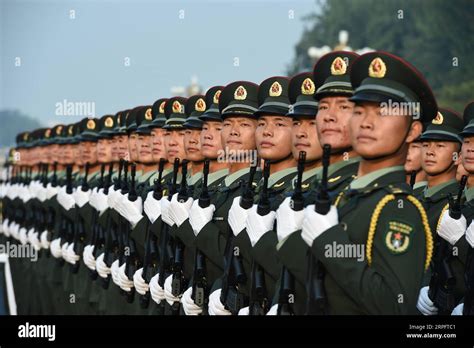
x: 345, y: 190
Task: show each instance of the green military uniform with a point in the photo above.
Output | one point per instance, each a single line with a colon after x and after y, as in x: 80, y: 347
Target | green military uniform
x: 378, y: 212
x: 292, y: 251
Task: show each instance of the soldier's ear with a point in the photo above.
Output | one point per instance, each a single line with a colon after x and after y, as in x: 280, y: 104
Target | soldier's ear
x: 416, y: 128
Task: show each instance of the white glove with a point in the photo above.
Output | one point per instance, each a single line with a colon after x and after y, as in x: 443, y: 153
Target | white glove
x: 165, y: 204
x: 29, y: 236
x: 152, y: 207
x: 273, y: 310
x: 244, y: 311
x: 41, y: 193
x: 22, y: 236
x: 35, y: 241
x: 71, y: 256
x: 179, y: 211
x: 470, y: 234
x: 458, y: 310
x: 114, y: 268
x: 25, y: 194
x: 189, y: 307
x: 132, y: 211
x: 50, y: 191
x: 215, y: 305
x: 451, y: 229
x: 156, y: 291
x: 112, y: 196
x: 125, y: 283
x: 315, y: 224
x: 81, y: 197
x: 100, y: 201
x: 6, y: 227
x: 168, y: 295
x: 257, y: 225
x: 237, y: 216
x: 88, y: 257
x: 140, y: 285
x: 199, y: 217
x: 44, y: 240
x: 424, y: 304
x: 66, y: 200
x: 288, y: 220
x: 101, y: 267
x: 14, y: 230
x: 55, y: 248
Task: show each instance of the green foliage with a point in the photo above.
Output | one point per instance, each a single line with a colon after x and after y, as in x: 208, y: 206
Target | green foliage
x: 436, y: 36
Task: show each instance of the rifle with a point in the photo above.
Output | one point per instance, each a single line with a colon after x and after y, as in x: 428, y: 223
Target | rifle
x: 287, y: 285
x: 95, y: 226
x: 131, y: 264
x: 200, y: 291
x: 80, y: 225
x: 112, y: 244
x: 166, y: 251
x: 150, y: 243
x: 177, y: 283
x: 234, y: 273
x: 443, y: 280
x: 316, y: 293
x: 258, y: 297
x: 413, y: 178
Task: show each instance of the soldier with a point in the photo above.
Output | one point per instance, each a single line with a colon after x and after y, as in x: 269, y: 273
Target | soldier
x: 332, y: 91
x: 416, y: 177
x: 273, y: 140
x: 459, y: 232
x: 212, y: 232
x: 395, y: 234
x: 440, y: 149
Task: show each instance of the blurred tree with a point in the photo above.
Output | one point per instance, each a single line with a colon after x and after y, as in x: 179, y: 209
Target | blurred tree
x: 14, y: 122
x: 434, y: 35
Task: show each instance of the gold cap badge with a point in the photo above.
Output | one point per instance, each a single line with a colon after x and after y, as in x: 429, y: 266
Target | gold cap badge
x: 377, y: 68
x: 91, y: 124
x: 307, y: 87
x: 59, y: 129
x: 177, y: 107
x: 200, y: 105
x: 109, y: 122
x: 338, y: 66
x: 217, y: 95
x: 240, y: 93
x: 70, y: 130
x: 438, y: 119
x: 161, y: 109
x: 148, y: 116
x: 275, y: 89
x: 47, y: 133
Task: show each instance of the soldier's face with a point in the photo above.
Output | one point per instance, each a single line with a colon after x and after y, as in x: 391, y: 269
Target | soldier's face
x: 114, y: 150
x: 305, y: 138
x: 68, y: 154
x: 438, y: 157
x: 414, y: 159
x: 273, y: 136
x: 238, y: 133
x: 132, y: 144
x: 174, y: 144
x: 192, y: 145
x: 89, y: 152
x: 332, y: 121
x: 122, y: 146
x: 375, y: 135
x: 54, y: 153
x: 144, y: 145
x: 460, y: 170
x: 104, y: 150
x: 211, y: 144
x: 158, y: 149
x: 78, y: 154
x: 467, y: 153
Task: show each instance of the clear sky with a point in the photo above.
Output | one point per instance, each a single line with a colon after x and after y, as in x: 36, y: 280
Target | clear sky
x: 123, y: 53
